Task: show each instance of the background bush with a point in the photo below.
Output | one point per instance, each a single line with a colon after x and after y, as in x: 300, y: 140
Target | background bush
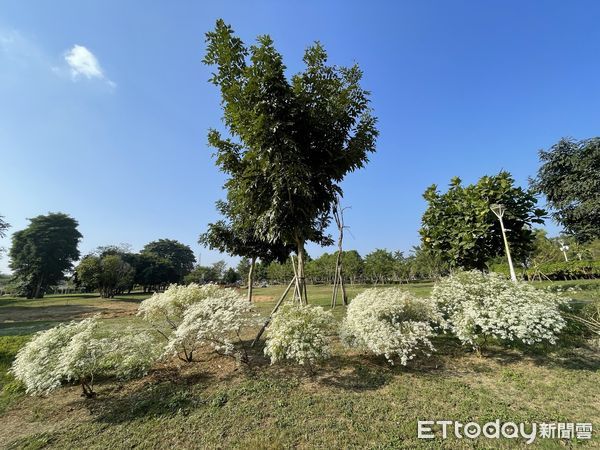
x: 476, y: 306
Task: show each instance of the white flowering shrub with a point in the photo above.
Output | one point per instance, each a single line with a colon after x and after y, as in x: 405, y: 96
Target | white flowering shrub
x: 390, y: 322
x: 476, y: 306
x: 192, y: 316
x: 71, y: 353
x: 215, y: 322
x: 129, y: 354
x: 165, y: 310
x: 299, y: 333
x: 47, y: 360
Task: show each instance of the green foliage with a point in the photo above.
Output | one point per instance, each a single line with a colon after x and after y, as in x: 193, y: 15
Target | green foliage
x: 293, y: 141
x: 3, y: 226
x: 231, y: 276
x: 568, y: 177
x: 459, y: 227
x: 43, y: 252
x: 237, y: 238
x: 153, y: 272
x: 425, y: 265
x: 562, y: 270
x: 353, y: 265
x: 10, y: 388
x: 109, y: 274
x: 545, y: 250
x: 207, y: 274
x: 381, y: 265
x: 243, y: 268
x: 179, y: 256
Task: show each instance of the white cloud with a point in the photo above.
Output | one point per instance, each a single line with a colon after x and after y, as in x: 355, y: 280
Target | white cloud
x: 83, y: 63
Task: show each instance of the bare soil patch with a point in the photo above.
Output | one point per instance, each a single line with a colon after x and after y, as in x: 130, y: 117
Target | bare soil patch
x: 106, y: 308
x: 262, y: 298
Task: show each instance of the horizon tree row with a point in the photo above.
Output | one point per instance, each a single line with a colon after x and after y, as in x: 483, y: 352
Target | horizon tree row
x: 45, y: 252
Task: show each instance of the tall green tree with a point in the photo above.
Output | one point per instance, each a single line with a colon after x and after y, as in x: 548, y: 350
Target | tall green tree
x: 459, y: 228
x: 231, y: 276
x: 353, y: 265
x: 380, y: 265
x: 109, y: 274
x: 152, y: 272
x: 291, y: 141
x: 179, y: 255
x: 424, y: 264
x: 43, y: 252
x: 243, y: 268
x: 569, y: 178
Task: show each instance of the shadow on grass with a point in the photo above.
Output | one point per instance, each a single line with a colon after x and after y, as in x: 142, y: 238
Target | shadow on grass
x: 23, y: 328
x: 136, y: 300
x: 172, y: 389
x: 352, y: 374
x: 214, y: 380
x: 582, y: 357
x: 166, y: 392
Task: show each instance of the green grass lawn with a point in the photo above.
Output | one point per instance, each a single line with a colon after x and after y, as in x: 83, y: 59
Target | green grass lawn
x: 352, y: 401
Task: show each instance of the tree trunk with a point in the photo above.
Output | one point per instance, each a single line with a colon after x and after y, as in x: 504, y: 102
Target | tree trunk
x: 251, y: 278
x: 38, y: 288
x: 301, y: 279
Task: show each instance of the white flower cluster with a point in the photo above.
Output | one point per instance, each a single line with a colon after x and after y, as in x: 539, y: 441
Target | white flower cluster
x: 70, y: 352
x: 166, y: 309
x: 192, y: 316
x: 40, y: 363
x: 299, y: 333
x: 475, y: 306
x: 130, y: 354
x: 390, y: 322
x: 215, y: 321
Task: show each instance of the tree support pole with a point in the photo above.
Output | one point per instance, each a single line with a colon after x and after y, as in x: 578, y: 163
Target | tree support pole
x: 251, y: 278
x: 268, y: 321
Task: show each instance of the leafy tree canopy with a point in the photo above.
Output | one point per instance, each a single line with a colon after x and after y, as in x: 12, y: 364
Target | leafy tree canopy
x: 292, y: 140
x: 207, y: 274
x: 234, y: 237
x: 109, y: 274
x: 569, y: 177
x: 43, y: 252
x: 180, y: 256
x: 459, y: 227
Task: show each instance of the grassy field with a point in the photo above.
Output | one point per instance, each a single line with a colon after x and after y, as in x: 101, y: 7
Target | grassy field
x: 353, y: 401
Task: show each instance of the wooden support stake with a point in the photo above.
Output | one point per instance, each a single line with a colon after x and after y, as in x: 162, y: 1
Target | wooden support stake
x: 266, y: 324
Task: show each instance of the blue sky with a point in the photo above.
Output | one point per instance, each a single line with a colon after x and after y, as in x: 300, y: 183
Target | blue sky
x: 105, y: 105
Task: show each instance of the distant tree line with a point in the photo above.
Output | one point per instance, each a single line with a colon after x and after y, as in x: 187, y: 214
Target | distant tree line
x: 113, y: 270
x: 381, y: 266
x: 458, y: 229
